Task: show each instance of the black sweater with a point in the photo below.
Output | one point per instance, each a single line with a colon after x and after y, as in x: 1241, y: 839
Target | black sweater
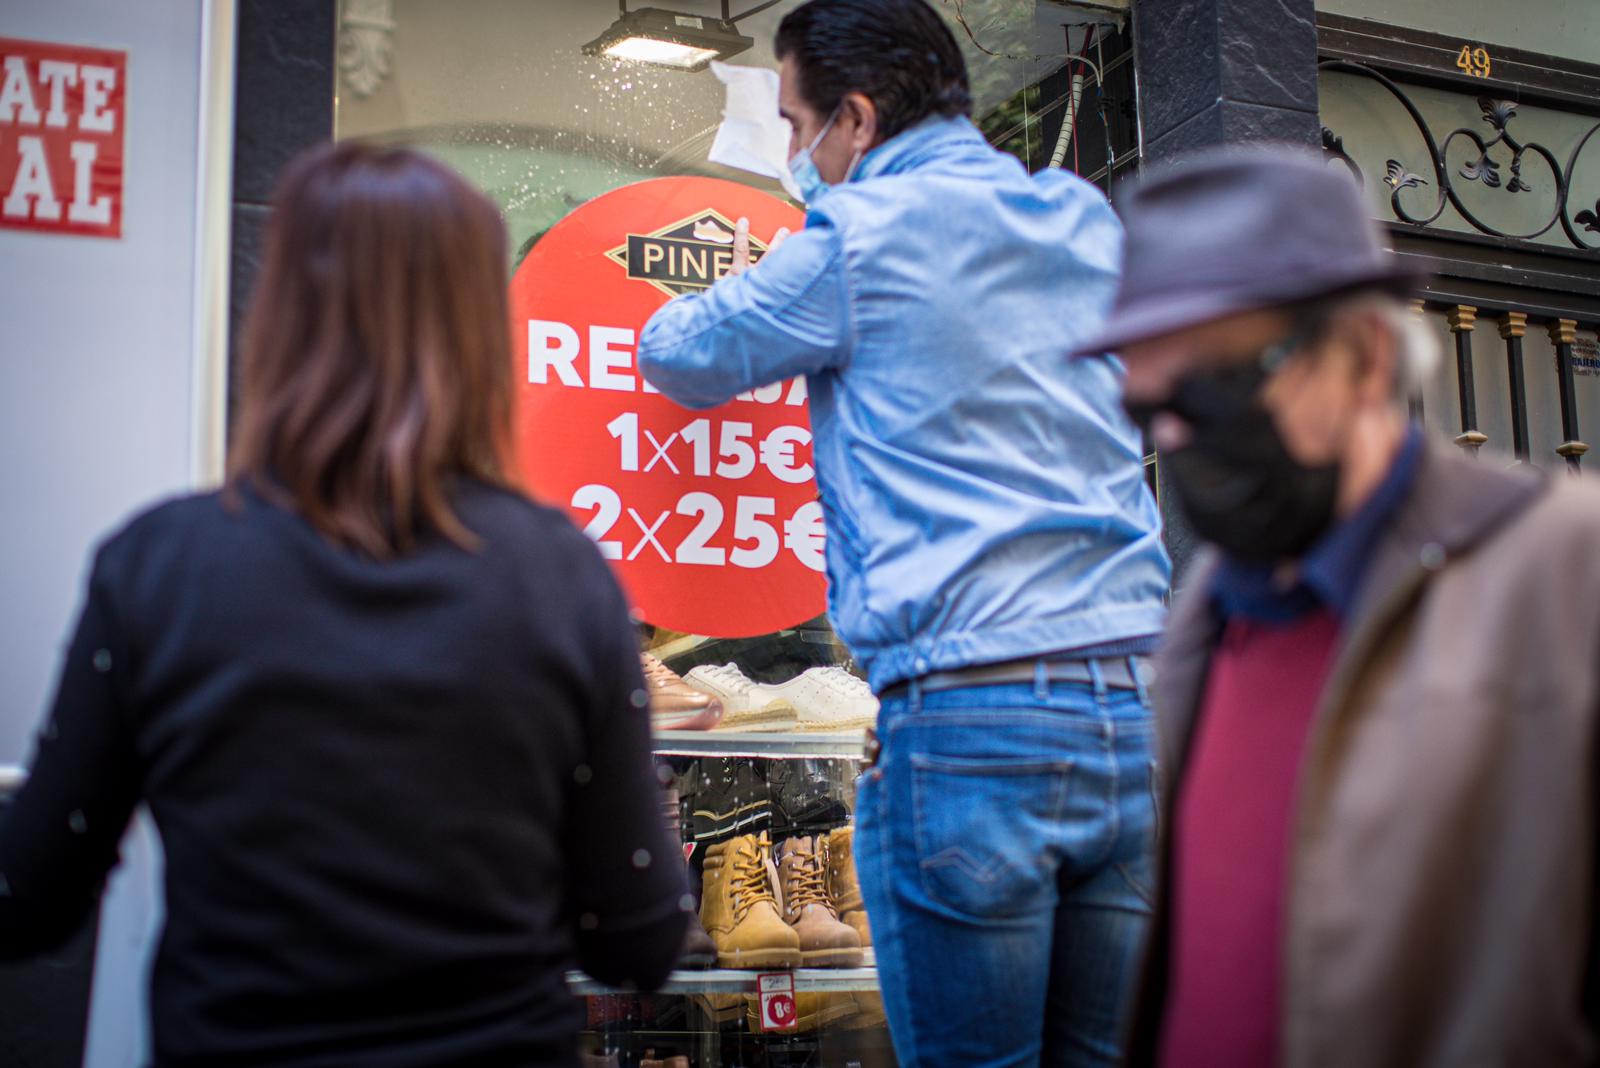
x: 397, y: 799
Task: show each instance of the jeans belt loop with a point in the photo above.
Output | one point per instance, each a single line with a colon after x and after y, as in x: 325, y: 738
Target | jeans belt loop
x: 1098, y: 676
x: 1041, y: 678
x: 1136, y: 669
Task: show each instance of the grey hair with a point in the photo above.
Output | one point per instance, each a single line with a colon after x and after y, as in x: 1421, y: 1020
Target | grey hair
x: 1418, y: 349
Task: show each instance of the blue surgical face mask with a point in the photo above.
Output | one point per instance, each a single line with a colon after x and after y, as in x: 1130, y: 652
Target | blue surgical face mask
x: 806, y: 176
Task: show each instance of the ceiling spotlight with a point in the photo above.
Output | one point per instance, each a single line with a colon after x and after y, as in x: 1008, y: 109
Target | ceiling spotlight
x: 672, y: 38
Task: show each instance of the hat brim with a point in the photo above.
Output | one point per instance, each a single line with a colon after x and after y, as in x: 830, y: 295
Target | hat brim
x: 1157, y: 315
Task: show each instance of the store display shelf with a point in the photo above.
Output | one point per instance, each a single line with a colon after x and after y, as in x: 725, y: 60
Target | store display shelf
x: 850, y: 745
x: 729, y: 981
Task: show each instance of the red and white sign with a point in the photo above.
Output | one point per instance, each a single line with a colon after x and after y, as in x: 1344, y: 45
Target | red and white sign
x: 62, y: 112
x: 710, y: 518
x: 779, y: 1011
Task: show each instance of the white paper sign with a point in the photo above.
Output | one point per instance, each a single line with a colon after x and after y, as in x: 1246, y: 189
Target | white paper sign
x: 753, y: 136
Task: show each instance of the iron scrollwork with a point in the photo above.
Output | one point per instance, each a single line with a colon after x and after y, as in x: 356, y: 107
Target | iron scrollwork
x: 1485, y: 169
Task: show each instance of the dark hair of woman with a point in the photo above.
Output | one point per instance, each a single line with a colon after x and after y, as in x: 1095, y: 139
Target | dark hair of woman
x: 899, y: 53
x: 376, y: 353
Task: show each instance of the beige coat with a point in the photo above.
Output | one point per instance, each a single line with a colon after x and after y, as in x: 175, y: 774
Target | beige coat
x: 1442, y: 877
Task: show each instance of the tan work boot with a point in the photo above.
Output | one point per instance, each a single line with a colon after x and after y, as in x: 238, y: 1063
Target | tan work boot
x: 844, y: 887
x: 803, y: 875
x: 739, y: 906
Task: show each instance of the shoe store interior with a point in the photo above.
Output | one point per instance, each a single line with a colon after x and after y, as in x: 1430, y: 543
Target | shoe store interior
x: 761, y: 719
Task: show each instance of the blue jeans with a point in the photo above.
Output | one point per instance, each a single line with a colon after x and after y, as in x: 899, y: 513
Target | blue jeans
x: 1005, y: 850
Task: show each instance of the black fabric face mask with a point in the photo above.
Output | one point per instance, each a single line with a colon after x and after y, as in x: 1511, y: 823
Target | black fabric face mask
x: 1235, y: 480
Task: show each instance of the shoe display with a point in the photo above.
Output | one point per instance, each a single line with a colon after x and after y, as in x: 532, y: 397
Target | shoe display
x: 764, y: 818
x: 806, y: 799
x: 740, y: 907
x: 825, y: 942
x: 674, y: 704
x: 745, y: 703
x: 844, y: 887
x: 827, y: 699
x: 728, y: 797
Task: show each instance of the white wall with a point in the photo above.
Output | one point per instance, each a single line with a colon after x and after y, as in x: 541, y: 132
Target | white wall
x: 96, y: 351
x: 108, y: 400
x: 1568, y: 28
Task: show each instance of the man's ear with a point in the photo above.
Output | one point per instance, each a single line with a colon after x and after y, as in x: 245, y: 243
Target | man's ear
x: 860, y: 117
x: 1377, y: 355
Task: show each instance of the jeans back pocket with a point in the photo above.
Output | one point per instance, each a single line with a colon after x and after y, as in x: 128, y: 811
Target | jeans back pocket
x: 987, y: 831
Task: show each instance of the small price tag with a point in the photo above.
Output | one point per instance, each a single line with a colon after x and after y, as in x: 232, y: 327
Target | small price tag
x: 778, y: 1009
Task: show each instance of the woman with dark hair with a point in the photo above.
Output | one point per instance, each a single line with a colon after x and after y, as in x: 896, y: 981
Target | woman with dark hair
x: 386, y: 712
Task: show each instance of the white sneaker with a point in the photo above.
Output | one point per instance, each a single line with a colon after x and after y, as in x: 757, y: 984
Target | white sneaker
x: 828, y: 699
x: 744, y: 702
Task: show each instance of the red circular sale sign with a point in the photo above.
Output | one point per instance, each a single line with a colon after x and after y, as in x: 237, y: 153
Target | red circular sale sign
x: 710, y: 518
x: 781, y: 1012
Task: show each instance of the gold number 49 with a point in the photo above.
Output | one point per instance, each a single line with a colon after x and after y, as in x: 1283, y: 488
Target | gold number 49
x: 1475, y: 61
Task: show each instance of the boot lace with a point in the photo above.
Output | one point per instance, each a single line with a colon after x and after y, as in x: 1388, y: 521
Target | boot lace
x: 755, y: 878
x: 807, y: 880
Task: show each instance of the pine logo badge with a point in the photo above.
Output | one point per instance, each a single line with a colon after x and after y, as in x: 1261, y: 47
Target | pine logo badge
x: 684, y: 256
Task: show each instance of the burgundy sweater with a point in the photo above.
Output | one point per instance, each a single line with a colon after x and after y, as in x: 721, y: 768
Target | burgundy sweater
x: 1231, y: 835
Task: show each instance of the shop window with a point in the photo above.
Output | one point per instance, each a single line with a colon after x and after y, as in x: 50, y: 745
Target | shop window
x: 710, y: 519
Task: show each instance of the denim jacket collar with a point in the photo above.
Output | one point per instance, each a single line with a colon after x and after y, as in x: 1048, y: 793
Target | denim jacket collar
x: 912, y: 148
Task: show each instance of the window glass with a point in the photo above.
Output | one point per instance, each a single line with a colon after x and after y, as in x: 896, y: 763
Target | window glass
x: 710, y: 518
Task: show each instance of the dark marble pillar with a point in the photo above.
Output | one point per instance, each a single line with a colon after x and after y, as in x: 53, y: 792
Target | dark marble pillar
x: 1214, y: 72
x: 283, y: 103
x: 1219, y: 71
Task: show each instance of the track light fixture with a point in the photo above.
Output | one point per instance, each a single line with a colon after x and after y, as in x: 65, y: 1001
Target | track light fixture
x: 673, y: 39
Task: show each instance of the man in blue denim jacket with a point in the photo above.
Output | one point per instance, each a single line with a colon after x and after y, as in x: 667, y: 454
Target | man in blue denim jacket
x: 993, y: 555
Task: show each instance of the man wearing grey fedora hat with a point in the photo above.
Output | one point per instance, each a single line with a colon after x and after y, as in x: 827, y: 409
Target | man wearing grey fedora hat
x: 1380, y: 687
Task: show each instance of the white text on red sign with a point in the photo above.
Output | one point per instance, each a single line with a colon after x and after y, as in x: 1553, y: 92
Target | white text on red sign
x: 61, y: 135
x: 754, y: 521
x: 557, y: 351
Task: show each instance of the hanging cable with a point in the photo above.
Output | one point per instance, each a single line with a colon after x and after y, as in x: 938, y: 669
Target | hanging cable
x: 1070, y: 120
x: 1105, y: 120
